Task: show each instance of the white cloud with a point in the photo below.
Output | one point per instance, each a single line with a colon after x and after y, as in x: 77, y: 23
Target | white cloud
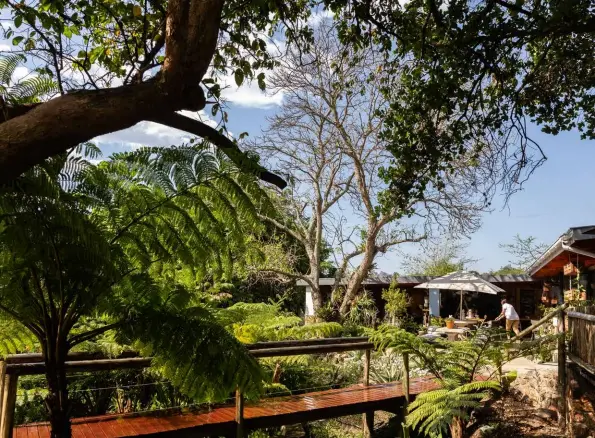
x: 151, y: 134
x: 5, y: 47
x: 249, y: 95
x: 21, y: 73
x: 318, y: 16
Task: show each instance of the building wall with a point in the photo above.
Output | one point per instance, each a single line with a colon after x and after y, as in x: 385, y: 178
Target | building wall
x: 524, y: 296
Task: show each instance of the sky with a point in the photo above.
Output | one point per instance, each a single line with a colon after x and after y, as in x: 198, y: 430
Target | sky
x: 555, y: 198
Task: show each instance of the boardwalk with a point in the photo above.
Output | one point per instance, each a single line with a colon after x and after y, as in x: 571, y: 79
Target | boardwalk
x: 265, y: 413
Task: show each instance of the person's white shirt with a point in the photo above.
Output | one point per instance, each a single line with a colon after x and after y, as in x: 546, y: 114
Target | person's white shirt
x: 509, y: 312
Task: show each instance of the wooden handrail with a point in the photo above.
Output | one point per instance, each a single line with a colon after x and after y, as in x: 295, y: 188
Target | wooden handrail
x: 35, y: 368
x: 304, y: 342
x: 32, y: 363
x: 579, y: 315
x: 30, y: 358
x: 540, y: 322
x: 312, y: 349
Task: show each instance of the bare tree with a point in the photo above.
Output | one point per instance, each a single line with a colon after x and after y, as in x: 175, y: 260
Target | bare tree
x: 438, y: 257
x: 328, y: 136
x: 524, y: 250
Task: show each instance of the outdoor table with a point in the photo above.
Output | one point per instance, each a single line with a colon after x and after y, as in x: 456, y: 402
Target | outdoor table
x: 453, y: 334
x: 465, y: 323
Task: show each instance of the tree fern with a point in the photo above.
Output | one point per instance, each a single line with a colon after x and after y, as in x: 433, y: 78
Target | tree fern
x: 79, y: 239
x: 26, y: 90
x: 431, y: 413
x: 457, y: 366
x: 8, y: 65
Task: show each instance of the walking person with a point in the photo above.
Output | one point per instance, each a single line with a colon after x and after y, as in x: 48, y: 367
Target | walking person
x: 512, y: 318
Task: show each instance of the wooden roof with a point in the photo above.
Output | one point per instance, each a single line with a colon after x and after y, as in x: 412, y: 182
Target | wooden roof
x: 577, y: 245
x: 414, y: 280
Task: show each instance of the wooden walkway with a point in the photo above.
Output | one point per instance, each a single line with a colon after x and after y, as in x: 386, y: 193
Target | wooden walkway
x: 269, y: 412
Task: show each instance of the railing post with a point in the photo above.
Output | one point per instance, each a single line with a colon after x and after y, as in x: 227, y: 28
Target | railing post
x: 367, y: 367
x: 368, y: 417
x: 405, y: 393
x: 562, y: 384
x: 9, y: 397
x: 240, y: 432
x: 2, y: 374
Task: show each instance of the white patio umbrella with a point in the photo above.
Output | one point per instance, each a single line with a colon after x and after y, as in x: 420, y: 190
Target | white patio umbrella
x: 462, y: 281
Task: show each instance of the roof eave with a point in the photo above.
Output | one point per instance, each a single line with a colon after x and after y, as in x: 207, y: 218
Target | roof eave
x: 553, y: 251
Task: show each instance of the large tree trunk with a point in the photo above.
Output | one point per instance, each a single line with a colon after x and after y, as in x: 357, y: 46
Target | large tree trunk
x: 66, y: 121
x: 192, y: 31
x: 57, y: 402
x: 457, y: 428
x: 357, y: 278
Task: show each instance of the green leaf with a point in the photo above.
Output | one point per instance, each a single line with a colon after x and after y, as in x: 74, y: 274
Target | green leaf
x: 239, y: 77
x: 18, y: 21
x: 16, y: 40
x: 261, y: 82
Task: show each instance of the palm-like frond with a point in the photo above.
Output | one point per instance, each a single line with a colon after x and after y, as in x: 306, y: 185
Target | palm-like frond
x: 432, y: 412
x: 95, y: 245
x: 457, y: 366
x: 8, y: 65
x: 15, y: 339
x: 29, y: 90
x: 198, y: 355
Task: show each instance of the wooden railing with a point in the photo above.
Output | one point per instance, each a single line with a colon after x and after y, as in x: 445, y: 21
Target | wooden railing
x: 581, y: 325
x: 14, y: 366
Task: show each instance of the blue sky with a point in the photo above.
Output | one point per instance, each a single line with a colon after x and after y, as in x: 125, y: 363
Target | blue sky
x: 555, y: 198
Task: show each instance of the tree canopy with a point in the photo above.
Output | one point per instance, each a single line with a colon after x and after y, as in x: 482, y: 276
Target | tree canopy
x: 79, y: 240
x: 466, y: 75
x: 475, y: 73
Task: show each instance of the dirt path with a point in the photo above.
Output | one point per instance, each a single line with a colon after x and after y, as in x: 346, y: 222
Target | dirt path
x: 513, y: 418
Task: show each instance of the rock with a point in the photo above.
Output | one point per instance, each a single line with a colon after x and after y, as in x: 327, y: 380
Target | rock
x: 484, y: 432
x: 546, y: 414
x: 580, y: 430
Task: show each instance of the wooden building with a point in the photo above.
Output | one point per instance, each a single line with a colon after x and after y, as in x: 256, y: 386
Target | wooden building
x: 568, y: 265
x: 522, y: 291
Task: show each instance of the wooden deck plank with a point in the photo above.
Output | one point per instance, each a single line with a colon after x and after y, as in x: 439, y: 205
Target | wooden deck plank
x: 265, y: 413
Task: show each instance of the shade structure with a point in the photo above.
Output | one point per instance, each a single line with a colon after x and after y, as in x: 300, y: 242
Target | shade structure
x: 463, y: 281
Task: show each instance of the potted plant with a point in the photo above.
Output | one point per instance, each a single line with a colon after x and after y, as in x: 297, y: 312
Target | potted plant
x: 450, y: 322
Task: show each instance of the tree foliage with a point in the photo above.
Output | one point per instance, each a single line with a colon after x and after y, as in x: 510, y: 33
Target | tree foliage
x: 79, y: 240
x: 397, y: 301
x: 524, y: 250
x: 258, y: 322
x: 438, y: 258
x: 475, y: 73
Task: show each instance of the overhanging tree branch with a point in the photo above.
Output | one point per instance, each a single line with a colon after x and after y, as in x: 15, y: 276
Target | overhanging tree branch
x: 225, y: 144
x: 75, y: 340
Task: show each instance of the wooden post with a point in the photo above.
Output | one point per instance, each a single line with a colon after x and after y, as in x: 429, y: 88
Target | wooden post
x: 367, y: 417
x: 2, y: 375
x: 562, y: 365
x: 9, y: 398
x: 405, y: 392
x: 366, y: 377
x: 240, y: 432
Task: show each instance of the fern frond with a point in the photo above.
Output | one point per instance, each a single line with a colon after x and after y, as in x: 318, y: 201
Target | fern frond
x: 29, y: 90
x: 8, y: 65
